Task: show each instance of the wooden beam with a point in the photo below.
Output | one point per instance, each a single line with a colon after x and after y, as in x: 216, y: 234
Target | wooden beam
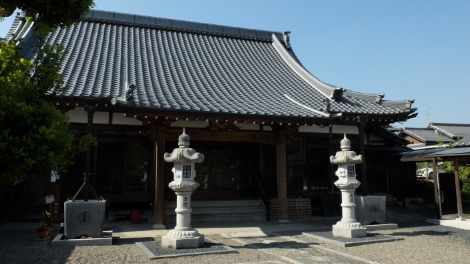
x: 282, y: 178
x: 198, y: 134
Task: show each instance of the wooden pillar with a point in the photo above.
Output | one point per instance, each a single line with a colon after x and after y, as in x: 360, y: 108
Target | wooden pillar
x: 437, y: 190
x: 457, y: 190
x: 282, y: 178
x: 158, y: 133
x: 261, y: 161
x: 331, y: 176
x: 364, y: 180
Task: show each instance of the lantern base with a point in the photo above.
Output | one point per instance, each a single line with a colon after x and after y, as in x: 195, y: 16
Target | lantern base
x: 182, y: 242
x: 349, y: 232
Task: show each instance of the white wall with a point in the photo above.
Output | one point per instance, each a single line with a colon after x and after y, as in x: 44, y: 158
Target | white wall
x: 337, y: 129
x: 79, y: 115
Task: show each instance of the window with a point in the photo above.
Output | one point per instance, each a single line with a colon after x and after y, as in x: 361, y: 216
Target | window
x: 186, y: 172
x: 351, y: 171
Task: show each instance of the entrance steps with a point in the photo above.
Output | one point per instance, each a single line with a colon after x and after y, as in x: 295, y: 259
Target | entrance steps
x: 226, y: 210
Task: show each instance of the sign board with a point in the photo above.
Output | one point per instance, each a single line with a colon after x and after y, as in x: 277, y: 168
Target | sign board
x: 49, y: 199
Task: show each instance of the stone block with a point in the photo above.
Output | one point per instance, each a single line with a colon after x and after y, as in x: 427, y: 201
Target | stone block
x: 105, y: 240
x: 84, y: 218
x: 349, y: 232
x: 389, y: 226
x: 182, y: 242
x: 370, y: 209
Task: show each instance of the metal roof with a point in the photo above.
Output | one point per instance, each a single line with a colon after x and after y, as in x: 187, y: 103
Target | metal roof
x: 198, y: 68
x: 439, y: 153
x: 418, y: 155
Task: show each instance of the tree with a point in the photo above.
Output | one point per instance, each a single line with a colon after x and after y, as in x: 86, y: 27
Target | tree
x: 51, y: 13
x: 34, y: 134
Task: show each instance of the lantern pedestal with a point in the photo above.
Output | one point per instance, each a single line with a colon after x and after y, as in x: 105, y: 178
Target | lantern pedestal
x: 348, y: 226
x: 183, y: 236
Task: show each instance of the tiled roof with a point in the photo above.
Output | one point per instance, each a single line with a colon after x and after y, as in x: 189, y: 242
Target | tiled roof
x: 463, y: 142
x: 199, y: 68
x: 453, y: 131
x: 426, y: 135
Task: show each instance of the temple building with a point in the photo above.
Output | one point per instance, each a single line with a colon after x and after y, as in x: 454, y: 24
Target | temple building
x: 266, y: 125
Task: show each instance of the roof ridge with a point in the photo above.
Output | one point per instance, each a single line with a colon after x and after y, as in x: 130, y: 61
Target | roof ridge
x: 449, y: 124
x: 180, y: 25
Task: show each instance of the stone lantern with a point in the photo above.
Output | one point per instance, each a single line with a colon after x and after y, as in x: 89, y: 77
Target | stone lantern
x: 184, y: 158
x: 347, y: 183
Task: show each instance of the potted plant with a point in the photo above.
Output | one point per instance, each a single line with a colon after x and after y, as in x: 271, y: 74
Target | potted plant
x: 48, y: 219
x: 43, y: 230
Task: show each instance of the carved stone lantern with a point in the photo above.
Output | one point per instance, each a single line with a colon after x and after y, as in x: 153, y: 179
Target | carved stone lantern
x: 184, y: 158
x: 347, y: 183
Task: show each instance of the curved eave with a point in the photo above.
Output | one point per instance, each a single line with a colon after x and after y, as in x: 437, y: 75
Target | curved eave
x: 330, y: 92
x: 401, y: 109
x: 382, y: 119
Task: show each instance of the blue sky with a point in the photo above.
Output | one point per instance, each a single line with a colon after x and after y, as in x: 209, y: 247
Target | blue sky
x: 416, y: 49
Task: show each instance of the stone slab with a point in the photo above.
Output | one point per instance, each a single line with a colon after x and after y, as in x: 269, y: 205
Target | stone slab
x: 158, y: 226
x: 388, y: 226
x: 327, y: 236
x: 84, y: 218
x: 154, y: 249
x: 465, y: 224
x: 106, y: 240
x: 245, y: 234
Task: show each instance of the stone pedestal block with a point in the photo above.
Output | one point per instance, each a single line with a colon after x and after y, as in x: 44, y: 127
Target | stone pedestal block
x: 182, y: 242
x: 349, y: 232
x: 84, y: 218
x: 370, y: 209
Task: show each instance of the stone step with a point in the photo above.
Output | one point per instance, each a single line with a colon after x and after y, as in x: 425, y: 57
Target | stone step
x: 221, y: 204
x: 205, y: 211
x: 223, y: 210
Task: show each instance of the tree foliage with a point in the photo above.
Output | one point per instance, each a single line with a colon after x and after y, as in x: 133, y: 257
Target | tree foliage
x: 51, y: 13
x: 34, y: 134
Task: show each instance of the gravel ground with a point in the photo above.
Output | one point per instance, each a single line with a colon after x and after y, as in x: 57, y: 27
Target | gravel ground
x: 423, y: 243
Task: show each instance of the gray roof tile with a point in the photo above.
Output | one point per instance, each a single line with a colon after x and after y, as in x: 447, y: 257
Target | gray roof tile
x: 454, y: 131
x: 427, y: 135
x: 196, y: 67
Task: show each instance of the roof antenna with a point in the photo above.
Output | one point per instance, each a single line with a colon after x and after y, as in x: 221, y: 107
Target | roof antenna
x: 428, y: 114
